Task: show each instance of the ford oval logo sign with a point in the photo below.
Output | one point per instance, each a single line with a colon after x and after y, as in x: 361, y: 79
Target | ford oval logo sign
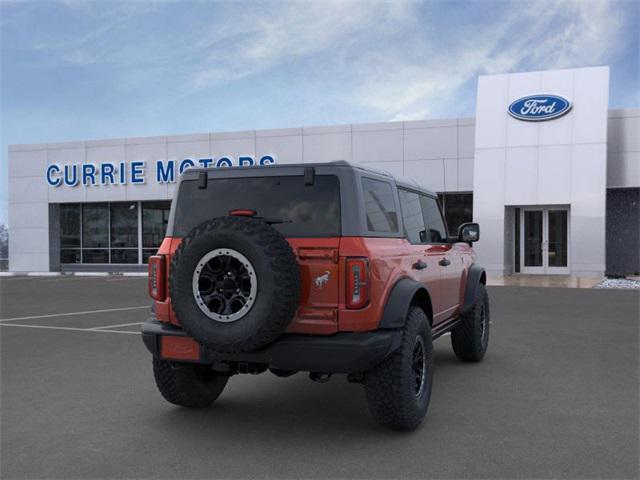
x: 536, y: 108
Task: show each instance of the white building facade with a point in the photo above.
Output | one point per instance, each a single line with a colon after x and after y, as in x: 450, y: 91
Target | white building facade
x: 550, y: 173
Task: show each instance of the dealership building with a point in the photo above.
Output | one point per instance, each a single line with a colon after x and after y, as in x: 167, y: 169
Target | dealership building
x: 548, y: 170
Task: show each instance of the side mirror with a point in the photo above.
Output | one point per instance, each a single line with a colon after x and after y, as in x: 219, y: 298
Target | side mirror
x: 469, y: 232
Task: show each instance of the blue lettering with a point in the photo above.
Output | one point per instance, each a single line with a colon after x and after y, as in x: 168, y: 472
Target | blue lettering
x: 165, y: 174
x: 184, y: 164
x: 88, y: 174
x: 51, y: 180
x: 122, y: 170
x: 137, y: 172
x: 106, y: 173
x: 205, y: 162
x: 224, y: 162
x: 246, y: 161
x: 71, y: 175
x: 267, y: 160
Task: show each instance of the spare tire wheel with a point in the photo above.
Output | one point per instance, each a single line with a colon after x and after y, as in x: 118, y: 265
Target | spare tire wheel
x: 234, y: 284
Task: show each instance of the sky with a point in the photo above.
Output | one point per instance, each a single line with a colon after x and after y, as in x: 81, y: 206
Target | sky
x: 76, y: 70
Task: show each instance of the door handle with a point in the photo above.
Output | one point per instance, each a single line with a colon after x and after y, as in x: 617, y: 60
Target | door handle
x: 419, y: 265
x: 444, y: 262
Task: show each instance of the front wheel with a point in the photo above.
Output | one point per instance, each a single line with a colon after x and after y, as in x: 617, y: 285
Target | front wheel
x: 188, y: 384
x: 470, y: 338
x: 399, y: 389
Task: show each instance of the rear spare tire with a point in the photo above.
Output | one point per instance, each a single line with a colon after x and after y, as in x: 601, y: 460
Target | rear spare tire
x: 234, y: 284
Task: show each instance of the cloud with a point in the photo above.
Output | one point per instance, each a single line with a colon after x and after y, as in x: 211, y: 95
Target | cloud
x: 294, y: 31
x: 398, y: 59
x: 526, y: 36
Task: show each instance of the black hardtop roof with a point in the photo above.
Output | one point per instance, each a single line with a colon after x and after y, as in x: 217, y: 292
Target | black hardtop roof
x: 400, y: 181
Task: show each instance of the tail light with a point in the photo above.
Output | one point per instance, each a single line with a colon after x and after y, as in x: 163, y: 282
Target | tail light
x: 357, y: 282
x: 157, y: 277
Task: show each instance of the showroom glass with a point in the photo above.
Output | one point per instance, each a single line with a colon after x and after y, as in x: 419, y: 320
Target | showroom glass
x: 305, y: 210
x: 558, y: 238
x: 533, y: 238
x: 95, y: 233
x: 108, y: 232
x: 70, y: 233
x: 124, y: 232
x: 436, y: 231
x: 457, y: 209
x: 155, y: 216
x: 411, y: 215
x: 380, y: 208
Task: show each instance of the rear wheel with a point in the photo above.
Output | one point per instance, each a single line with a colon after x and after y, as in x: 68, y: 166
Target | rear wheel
x: 187, y: 384
x: 399, y: 389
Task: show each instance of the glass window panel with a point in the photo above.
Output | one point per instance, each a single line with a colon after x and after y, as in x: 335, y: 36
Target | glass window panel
x: 306, y: 210
x: 436, y: 231
x: 70, y: 255
x: 532, y: 238
x: 155, y: 216
x: 69, y: 225
x: 95, y: 225
x: 557, y: 238
x: 517, y: 240
x: 124, y: 255
x: 412, y: 215
x: 95, y: 256
x: 146, y: 253
x: 124, y: 225
x: 379, y: 205
x: 457, y: 209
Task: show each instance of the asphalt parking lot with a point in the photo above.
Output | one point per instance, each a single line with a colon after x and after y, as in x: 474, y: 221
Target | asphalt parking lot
x: 556, y: 397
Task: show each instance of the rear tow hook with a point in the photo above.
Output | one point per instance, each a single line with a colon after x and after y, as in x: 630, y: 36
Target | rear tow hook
x: 320, y: 377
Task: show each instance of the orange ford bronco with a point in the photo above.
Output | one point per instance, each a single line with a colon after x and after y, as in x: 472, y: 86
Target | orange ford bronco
x: 325, y: 268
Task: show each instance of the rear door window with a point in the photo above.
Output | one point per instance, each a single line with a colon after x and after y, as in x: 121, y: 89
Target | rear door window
x: 380, y: 207
x: 304, y: 210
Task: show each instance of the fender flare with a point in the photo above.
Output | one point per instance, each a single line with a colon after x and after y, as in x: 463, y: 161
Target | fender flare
x: 476, y: 276
x: 399, y: 301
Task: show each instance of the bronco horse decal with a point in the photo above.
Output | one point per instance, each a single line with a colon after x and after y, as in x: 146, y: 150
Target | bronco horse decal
x: 322, y: 280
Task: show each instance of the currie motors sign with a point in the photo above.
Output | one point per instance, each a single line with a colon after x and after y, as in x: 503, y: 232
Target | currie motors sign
x: 540, y: 107
x: 135, y: 172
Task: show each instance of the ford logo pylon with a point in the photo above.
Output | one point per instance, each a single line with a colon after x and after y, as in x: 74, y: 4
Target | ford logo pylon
x: 540, y: 107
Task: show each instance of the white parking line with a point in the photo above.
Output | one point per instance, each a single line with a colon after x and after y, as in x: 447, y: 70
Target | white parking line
x: 124, y: 279
x: 88, y: 312
x: 70, y: 278
x: 47, y: 327
x: 116, y: 326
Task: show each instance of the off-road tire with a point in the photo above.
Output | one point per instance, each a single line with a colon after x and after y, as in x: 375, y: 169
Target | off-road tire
x: 278, y: 283
x: 470, y: 338
x: 188, y: 384
x: 390, y: 387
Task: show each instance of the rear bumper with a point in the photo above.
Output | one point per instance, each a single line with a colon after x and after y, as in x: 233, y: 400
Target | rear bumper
x: 339, y: 353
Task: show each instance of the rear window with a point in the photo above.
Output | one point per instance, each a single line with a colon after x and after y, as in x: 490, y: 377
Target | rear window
x: 306, y: 210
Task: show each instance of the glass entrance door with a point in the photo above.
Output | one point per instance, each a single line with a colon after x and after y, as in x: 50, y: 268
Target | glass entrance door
x: 544, y: 240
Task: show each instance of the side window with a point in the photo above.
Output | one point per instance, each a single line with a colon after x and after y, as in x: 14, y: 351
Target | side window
x: 412, y: 216
x: 380, y: 208
x: 436, y: 231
